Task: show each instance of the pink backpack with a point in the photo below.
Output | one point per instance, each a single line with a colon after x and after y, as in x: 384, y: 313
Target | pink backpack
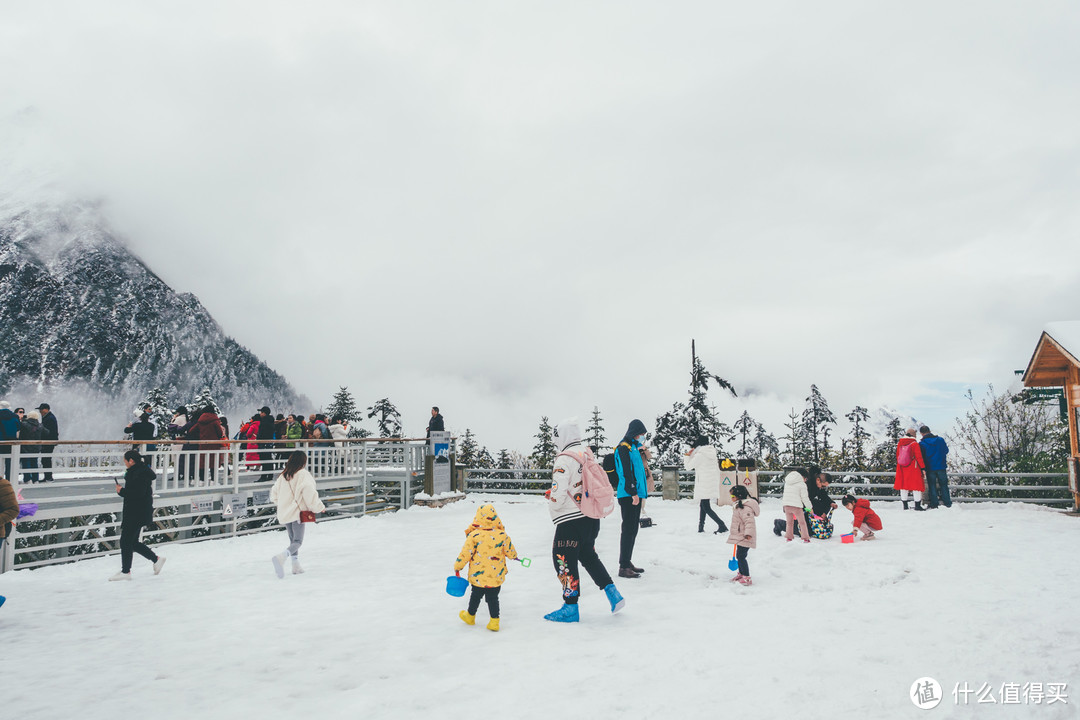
x: 597, y: 496
x: 905, y: 455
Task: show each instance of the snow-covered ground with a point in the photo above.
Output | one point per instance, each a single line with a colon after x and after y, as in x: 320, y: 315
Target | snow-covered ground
x: 979, y: 594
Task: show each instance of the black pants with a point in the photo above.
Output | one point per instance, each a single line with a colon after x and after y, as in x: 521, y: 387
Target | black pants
x: 266, y: 460
x: 46, y: 462
x: 129, y: 543
x: 631, y: 515
x: 575, y: 542
x: 30, y: 463
x: 740, y: 555
x: 492, y: 595
x: 706, y: 509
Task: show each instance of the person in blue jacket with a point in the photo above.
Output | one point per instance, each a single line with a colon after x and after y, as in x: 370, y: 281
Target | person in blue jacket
x: 934, y: 450
x: 631, y: 490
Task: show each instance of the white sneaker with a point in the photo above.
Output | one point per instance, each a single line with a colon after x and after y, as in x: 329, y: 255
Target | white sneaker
x: 296, y: 569
x: 279, y: 564
x: 159, y: 563
x: 120, y: 576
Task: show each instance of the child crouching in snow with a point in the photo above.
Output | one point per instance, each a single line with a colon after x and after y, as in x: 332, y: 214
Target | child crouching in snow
x: 486, y: 548
x: 743, y: 533
x: 865, y: 518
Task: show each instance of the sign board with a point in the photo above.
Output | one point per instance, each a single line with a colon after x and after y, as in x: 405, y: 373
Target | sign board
x: 730, y: 478
x: 202, y: 505
x: 233, y: 507
x: 439, y: 444
x: 260, y: 497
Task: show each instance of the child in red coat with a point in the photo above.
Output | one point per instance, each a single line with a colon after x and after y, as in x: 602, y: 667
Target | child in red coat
x: 865, y: 518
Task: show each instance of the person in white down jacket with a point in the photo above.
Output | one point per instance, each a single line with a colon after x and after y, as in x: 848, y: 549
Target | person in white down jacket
x: 702, y: 459
x: 796, y: 499
x: 294, y: 491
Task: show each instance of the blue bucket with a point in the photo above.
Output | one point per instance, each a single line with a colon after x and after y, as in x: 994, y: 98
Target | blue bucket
x: 456, y: 585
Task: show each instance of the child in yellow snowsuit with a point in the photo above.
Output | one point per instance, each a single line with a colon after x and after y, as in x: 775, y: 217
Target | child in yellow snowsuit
x: 486, y: 548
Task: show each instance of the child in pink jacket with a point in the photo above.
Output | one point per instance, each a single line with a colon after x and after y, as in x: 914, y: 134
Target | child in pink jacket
x: 743, y: 533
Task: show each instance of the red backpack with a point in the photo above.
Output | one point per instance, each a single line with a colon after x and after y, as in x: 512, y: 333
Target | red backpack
x: 905, y: 455
x: 597, y: 496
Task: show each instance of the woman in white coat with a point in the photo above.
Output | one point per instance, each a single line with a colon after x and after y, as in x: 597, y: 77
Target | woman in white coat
x: 701, y: 458
x: 294, y: 491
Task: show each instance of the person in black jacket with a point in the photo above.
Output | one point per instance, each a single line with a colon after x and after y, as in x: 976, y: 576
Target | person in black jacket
x: 266, y: 450
x: 435, y: 424
x: 142, y: 431
x: 49, y: 431
x: 817, y: 485
x: 29, y: 430
x: 138, y: 494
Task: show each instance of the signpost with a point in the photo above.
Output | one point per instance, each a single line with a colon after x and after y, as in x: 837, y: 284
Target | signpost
x: 439, y: 450
x: 233, y: 507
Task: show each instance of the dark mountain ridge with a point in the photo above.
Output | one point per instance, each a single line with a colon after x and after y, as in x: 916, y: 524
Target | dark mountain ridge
x: 78, y: 309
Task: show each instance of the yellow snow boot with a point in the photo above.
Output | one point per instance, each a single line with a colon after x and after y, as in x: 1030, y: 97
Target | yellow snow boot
x: 493, y: 625
x: 467, y: 618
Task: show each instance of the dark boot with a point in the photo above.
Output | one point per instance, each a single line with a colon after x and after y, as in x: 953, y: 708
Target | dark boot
x: 721, y: 528
x: 905, y: 504
x: 779, y: 527
x: 701, y: 527
x: 627, y: 573
x: 918, y: 506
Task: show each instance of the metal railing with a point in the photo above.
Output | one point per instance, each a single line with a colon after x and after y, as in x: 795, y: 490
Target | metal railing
x: 202, y: 490
x: 1041, y: 488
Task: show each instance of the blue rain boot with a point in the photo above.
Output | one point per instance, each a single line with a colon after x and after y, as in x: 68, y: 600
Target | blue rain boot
x: 615, y: 598
x: 567, y: 613
x: 2, y: 599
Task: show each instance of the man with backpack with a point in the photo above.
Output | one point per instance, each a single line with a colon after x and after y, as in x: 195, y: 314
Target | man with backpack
x: 910, y: 475
x: 632, y: 478
x: 580, y: 495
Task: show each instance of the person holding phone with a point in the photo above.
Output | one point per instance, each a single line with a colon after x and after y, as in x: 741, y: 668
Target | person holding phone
x: 138, y: 512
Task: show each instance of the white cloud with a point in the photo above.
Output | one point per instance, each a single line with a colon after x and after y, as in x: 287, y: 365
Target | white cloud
x: 516, y: 210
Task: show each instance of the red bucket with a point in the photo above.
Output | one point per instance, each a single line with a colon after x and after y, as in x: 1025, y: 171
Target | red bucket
x: 849, y: 538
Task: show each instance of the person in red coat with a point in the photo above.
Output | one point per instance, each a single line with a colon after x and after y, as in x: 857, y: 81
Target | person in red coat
x: 910, y: 469
x: 865, y: 518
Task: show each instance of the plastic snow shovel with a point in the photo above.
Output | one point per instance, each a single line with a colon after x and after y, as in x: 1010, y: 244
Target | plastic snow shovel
x: 525, y: 562
x: 733, y: 563
x: 456, y: 585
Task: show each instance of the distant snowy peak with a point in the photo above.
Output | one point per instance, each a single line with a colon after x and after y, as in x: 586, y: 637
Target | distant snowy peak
x: 878, y: 426
x: 77, y: 305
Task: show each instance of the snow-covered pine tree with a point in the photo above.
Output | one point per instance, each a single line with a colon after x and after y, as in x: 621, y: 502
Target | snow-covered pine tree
x: 160, y: 411
x: 855, y: 443
x: 680, y: 425
x: 484, y: 461
x: 594, y: 435
x: 764, y: 446
x: 505, y: 462
x: 468, y: 450
x: 343, y: 405
x: 795, y: 439
x: 202, y: 402
x: 815, y: 419
x: 544, y: 451
x: 744, y: 429
x: 884, y: 457
x: 389, y: 419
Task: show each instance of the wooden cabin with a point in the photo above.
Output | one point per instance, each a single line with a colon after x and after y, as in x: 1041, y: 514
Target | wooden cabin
x: 1056, y: 364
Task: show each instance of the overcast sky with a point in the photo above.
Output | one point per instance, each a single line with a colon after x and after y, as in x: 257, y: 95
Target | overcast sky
x: 524, y: 209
